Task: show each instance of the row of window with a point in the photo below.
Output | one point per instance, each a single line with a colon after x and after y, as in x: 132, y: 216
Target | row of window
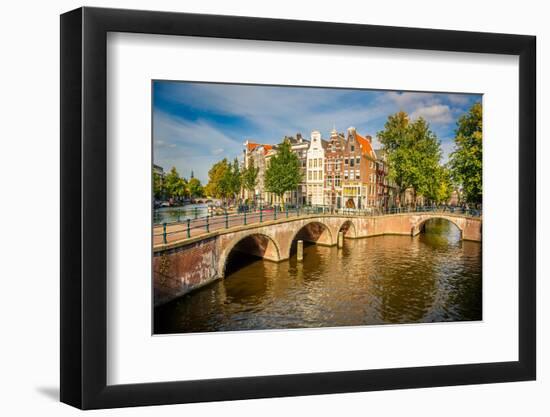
x: 314, y: 175
x: 333, y: 148
x: 315, y: 162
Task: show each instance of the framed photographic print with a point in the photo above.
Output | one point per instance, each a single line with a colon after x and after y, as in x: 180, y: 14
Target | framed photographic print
x: 258, y: 207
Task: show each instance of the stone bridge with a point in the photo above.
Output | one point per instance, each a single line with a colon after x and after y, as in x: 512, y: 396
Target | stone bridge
x: 185, y: 265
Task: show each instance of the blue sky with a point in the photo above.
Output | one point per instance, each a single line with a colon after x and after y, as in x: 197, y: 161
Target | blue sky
x: 197, y: 124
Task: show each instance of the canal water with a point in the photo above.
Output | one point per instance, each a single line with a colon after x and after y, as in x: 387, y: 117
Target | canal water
x: 432, y: 277
x: 178, y: 214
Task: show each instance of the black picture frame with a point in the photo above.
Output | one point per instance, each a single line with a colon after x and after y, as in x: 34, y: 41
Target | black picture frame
x: 84, y: 207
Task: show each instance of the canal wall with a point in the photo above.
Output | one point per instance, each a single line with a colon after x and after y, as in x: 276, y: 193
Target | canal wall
x: 183, y: 266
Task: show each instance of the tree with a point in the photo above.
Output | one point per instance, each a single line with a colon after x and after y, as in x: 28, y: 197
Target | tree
x: 175, y: 186
x: 284, y: 173
x: 466, y: 160
x: 224, y: 180
x: 234, y: 180
x: 394, y: 138
x: 250, y: 176
x: 195, y: 188
x: 441, y: 189
x: 425, y: 154
x: 413, y: 153
x: 217, y: 180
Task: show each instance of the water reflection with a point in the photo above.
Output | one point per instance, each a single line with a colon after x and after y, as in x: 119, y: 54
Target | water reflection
x: 432, y: 277
x: 178, y: 214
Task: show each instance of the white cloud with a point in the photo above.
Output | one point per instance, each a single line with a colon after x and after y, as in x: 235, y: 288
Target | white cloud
x: 438, y: 113
x: 192, y: 137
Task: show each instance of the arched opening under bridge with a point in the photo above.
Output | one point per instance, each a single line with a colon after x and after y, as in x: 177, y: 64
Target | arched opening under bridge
x: 313, y: 233
x: 442, y: 229
x: 348, y: 228
x: 248, y: 249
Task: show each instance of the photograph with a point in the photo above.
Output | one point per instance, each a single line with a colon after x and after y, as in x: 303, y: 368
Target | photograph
x: 289, y: 207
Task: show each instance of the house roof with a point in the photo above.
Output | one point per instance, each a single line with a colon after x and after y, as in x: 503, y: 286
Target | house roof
x: 366, y: 146
x: 250, y: 146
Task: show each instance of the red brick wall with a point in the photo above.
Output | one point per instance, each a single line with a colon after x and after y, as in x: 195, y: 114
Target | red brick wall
x: 177, y: 271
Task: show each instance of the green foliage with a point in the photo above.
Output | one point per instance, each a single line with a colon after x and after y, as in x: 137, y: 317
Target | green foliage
x: 217, y: 186
x: 224, y: 180
x: 174, y: 185
x: 195, y: 188
x: 283, y: 173
x: 234, y: 179
x: 250, y: 176
x: 413, y: 153
x: 466, y: 160
x: 442, y: 188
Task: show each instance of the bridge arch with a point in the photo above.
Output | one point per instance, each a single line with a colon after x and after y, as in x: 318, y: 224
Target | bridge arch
x: 254, y: 243
x: 419, y: 226
x: 349, y: 229
x: 313, y: 231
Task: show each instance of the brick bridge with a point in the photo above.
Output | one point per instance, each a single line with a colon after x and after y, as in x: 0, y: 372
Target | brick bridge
x: 183, y: 265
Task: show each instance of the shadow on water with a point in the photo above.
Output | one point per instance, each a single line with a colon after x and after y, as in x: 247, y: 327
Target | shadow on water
x: 238, y: 260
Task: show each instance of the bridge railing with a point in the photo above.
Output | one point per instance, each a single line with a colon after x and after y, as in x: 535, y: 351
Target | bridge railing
x: 178, y: 230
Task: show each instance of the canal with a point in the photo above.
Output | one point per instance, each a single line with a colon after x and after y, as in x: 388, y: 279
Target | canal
x: 432, y: 277
x: 178, y: 214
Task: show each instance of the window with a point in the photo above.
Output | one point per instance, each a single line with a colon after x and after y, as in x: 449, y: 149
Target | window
x: 352, y: 175
x: 346, y: 161
x: 346, y: 174
x: 352, y: 162
x: 309, y: 175
x: 352, y: 148
x: 358, y: 160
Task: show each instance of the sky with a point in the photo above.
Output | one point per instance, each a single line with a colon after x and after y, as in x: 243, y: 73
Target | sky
x: 198, y: 124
